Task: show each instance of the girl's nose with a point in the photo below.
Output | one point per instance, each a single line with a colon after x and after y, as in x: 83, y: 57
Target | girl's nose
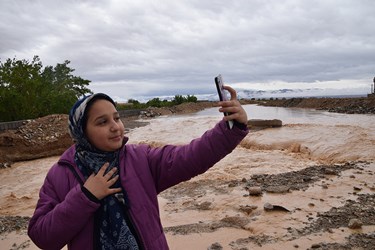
x: 115, y: 125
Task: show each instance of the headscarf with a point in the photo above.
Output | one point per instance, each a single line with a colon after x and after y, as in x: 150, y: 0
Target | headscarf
x: 114, y: 233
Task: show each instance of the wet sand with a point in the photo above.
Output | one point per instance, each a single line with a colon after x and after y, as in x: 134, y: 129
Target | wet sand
x: 317, y: 175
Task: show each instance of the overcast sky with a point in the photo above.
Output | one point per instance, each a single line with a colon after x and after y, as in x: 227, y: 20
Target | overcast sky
x: 141, y: 48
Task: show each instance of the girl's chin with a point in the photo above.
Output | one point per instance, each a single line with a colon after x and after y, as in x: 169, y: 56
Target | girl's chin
x: 113, y: 146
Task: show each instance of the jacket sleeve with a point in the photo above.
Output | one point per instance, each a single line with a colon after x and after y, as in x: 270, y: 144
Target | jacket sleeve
x: 61, y: 212
x: 171, y: 165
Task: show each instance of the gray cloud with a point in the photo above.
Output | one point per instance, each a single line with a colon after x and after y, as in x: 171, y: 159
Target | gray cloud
x: 158, y: 47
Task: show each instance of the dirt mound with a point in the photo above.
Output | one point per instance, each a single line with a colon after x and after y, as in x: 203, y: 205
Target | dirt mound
x: 184, y: 108
x: 38, y: 138
x: 339, y: 105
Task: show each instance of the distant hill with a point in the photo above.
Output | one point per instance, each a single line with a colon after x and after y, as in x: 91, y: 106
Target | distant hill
x: 280, y: 93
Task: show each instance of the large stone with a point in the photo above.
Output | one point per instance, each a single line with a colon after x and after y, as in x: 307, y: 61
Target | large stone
x: 355, y: 224
x: 264, y: 123
x: 255, y: 191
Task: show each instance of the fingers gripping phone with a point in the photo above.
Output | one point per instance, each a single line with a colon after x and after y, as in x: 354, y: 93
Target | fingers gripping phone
x: 223, y: 96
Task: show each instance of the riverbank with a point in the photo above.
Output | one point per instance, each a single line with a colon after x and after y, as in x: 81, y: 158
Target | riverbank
x: 361, y: 105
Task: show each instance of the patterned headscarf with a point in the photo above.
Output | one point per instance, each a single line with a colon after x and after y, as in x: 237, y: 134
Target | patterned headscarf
x: 86, y: 153
x: 114, y: 232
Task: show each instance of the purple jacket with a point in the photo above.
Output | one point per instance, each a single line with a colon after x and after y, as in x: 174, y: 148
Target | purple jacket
x: 65, y: 216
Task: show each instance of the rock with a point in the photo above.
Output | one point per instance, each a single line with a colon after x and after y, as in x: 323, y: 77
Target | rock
x: 215, y: 246
x: 234, y: 221
x: 264, y: 123
x: 329, y: 171
x: 5, y: 165
x: 233, y: 184
x: 204, y: 205
x: 355, y: 224
x: 247, y: 209
x: 13, y: 223
x: 268, y: 206
x: 278, y: 189
x: 314, y: 246
x: 149, y: 113
x: 255, y: 191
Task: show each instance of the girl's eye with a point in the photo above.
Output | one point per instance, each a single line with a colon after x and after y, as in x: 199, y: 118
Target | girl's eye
x: 102, y: 122
x: 117, y: 118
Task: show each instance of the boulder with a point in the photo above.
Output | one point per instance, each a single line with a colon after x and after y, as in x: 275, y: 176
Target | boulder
x: 264, y: 123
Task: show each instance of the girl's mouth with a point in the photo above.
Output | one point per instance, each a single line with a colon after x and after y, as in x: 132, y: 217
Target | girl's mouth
x: 116, y: 138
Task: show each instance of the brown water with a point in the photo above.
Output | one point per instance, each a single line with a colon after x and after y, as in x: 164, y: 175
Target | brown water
x: 307, y: 138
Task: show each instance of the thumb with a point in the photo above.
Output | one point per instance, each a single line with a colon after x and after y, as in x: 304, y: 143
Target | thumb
x: 233, y: 93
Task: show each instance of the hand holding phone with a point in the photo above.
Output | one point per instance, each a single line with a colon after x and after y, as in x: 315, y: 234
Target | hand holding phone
x: 223, y: 96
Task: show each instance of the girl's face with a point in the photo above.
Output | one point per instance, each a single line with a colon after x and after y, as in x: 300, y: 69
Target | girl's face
x: 104, y: 128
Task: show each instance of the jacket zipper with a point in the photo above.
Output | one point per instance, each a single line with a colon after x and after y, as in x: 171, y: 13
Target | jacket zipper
x: 134, y: 229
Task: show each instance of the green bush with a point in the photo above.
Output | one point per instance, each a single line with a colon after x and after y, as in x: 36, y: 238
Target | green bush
x: 156, y: 102
x: 27, y: 90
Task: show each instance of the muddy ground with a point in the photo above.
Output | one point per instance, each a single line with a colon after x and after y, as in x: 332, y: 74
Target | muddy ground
x: 361, y: 210
x: 353, y: 214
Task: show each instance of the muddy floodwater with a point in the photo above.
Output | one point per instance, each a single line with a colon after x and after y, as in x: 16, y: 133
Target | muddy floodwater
x: 313, y: 175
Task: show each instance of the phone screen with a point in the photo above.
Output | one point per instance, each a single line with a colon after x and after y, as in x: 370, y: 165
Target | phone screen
x: 222, y: 95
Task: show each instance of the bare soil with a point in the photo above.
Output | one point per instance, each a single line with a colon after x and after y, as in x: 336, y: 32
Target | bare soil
x: 361, y: 209
x: 340, y: 105
x: 336, y: 218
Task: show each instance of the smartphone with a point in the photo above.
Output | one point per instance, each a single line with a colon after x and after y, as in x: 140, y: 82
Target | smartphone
x: 223, y: 96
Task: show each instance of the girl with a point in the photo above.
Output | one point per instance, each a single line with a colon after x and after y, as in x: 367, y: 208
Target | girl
x: 102, y: 192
